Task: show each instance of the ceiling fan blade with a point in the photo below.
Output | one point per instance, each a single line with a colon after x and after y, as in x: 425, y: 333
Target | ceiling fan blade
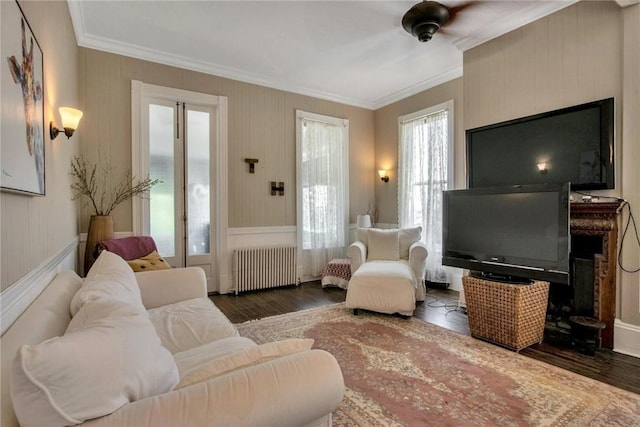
x: 454, y: 10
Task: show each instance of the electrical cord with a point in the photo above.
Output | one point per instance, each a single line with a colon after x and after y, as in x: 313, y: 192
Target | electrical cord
x: 438, y: 304
x: 630, y: 220
x: 449, y: 306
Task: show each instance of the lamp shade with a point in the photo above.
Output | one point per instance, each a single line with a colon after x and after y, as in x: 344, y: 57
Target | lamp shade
x: 382, y: 173
x: 70, y: 117
x: 364, y: 221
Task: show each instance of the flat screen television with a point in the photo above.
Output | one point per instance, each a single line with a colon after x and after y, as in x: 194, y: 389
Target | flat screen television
x: 509, y: 233
x: 574, y: 144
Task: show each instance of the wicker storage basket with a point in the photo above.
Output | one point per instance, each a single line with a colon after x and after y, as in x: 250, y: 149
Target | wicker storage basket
x: 506, y: 314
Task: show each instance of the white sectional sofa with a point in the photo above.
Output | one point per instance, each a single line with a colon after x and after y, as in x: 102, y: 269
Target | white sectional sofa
x: 150, y: 349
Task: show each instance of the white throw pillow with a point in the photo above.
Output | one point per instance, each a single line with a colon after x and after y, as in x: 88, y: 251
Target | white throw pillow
x: 109, y: 277
x: 383, y: 245
x: 110, y: 356
x: 408, y: 236
x: 361, y: 235
x: 215, y: 367
x: 190, y: 323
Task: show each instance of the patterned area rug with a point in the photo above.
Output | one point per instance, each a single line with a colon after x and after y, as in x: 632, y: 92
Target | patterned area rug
x: 407, y: 372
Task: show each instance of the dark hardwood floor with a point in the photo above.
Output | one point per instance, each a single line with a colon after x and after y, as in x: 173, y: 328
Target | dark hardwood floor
x: 439, y: 308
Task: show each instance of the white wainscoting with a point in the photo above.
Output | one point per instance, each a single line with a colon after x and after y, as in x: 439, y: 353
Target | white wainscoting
x: 15, y: 299
x: 256, y: 237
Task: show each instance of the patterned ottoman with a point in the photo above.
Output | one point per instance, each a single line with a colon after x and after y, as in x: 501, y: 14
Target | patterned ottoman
x: 337, y: 273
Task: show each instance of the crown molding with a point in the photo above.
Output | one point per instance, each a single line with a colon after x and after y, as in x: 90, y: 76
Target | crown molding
x: 506, y: 24
x: 502, y: 26
x: 626, y: 3
x: 134, y: 51
x: 417, y: 88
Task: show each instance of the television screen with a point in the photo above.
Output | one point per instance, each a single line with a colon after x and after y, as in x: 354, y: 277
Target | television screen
x: 514, y: 232
x: 573, y: 145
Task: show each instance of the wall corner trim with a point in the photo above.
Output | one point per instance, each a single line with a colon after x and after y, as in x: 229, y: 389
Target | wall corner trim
x: 15, y: 299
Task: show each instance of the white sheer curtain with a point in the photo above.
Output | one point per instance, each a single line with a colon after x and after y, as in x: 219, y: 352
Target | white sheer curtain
x: 323, y: 190
x: 423, y: 175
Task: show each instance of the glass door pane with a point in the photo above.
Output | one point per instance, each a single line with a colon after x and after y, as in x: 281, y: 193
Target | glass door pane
x: 198, y: 182
x: 161, y: 166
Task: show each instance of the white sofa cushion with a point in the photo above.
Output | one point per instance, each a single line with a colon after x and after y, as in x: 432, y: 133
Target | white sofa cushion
x: 190, y: 323
x: 109, y: 277
x: 383, y: 245
x: 186, y: 360
x: 407, y: 237
x: 109, y: 356
x: 215, y: 367
x: 383, y: 286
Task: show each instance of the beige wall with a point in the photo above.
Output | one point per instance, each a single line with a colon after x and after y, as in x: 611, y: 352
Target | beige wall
x: 570, y: 57
x: 36, y: 228
x: 386, y: 125
x: 261, y: 125
x: 585, y: 52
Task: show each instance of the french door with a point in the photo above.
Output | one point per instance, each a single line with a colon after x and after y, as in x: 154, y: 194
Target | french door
x: 176, y: 140
x: 180, y: 206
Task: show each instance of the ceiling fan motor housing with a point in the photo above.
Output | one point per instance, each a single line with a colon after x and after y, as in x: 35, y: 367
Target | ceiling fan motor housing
x: 424, y: 19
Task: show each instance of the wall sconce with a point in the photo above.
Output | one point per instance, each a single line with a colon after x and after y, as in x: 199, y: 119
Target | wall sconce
x: 70, y: 119
x: 542, y: 168
x: 383, y: 175
x: 364, y: 221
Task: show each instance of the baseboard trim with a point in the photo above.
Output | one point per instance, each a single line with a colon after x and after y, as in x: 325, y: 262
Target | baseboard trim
x: 15, y: 299
x: 225, y: 284
x: 626, y: 338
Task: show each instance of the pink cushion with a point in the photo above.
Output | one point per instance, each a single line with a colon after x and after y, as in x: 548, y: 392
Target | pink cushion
x: 130, y: 248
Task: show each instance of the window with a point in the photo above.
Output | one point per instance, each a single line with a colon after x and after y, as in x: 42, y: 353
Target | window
x: 323, y: 185
x: 425, y: 159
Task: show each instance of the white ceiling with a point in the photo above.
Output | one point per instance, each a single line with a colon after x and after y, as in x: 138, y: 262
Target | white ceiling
x: 354, y: 52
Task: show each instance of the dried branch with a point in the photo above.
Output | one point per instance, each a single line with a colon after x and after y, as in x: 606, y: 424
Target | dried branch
x: 373, y: 213
x: 86, y: 185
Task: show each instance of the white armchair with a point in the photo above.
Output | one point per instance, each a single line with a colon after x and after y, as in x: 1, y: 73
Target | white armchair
x: 387, y: 270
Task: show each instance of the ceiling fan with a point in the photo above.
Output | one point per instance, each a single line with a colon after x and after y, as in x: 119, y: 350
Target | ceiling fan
x: 426, y: 18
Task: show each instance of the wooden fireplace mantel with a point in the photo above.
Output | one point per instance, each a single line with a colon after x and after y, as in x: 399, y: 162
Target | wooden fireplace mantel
x: 599, y: 219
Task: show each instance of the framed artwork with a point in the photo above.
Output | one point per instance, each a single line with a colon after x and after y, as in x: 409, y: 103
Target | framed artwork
x: 22, y: 93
